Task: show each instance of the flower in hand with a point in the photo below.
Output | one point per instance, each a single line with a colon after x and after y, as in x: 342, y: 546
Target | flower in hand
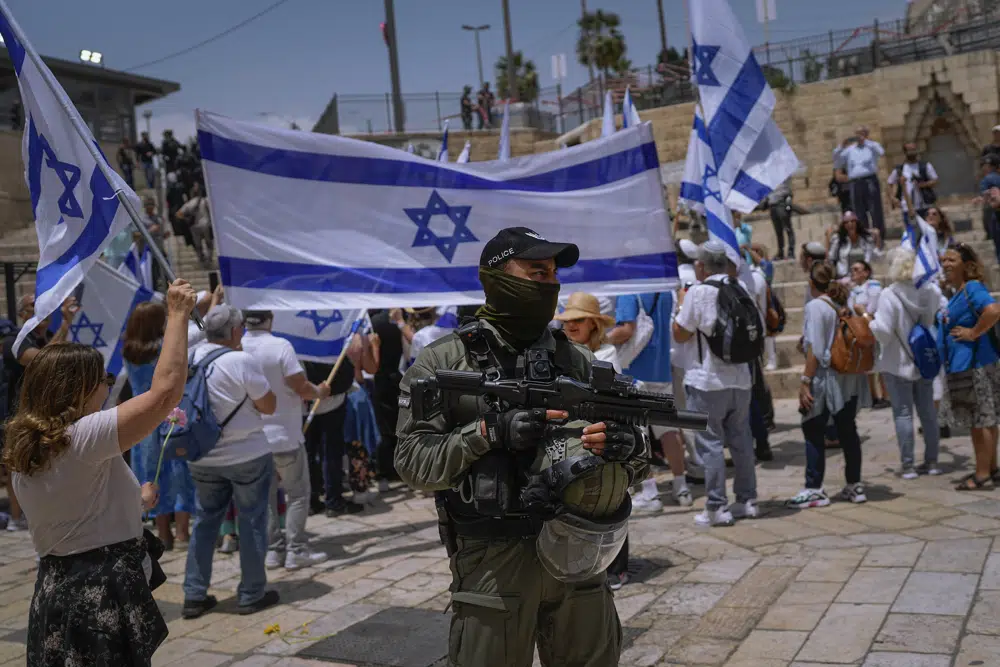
x: 176, y: 418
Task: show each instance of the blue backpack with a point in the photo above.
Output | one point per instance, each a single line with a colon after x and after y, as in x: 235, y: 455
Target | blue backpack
x: 202, y: 432
x: 923, y: 347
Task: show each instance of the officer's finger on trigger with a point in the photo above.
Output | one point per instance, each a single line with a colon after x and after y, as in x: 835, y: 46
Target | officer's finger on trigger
x: 595, y: 438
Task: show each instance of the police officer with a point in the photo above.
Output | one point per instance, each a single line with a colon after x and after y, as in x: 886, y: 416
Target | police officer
x: 504, y: 594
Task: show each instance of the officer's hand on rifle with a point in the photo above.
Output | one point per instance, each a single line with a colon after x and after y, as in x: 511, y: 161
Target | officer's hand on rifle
x: 519, y: 429
x: 610, y: 440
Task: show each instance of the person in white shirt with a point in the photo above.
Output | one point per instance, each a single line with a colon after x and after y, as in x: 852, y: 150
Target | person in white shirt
x: 919, y: 178
x: 901, y: 307
x: 196, y: 208
x: 690, y: 271
x: 283, y: 429
x: 859, y: 156
x: 446, y: 321
x: 239, y: 468
x: 584, y: 324
x: 722, y: 390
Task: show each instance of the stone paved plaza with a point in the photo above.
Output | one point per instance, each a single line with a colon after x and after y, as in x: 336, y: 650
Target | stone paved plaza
x: 911, y: 579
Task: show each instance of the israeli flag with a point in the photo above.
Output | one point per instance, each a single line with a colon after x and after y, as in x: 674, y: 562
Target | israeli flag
x: 750, y: 155
x: 139, y: 266
x: 105, y: 300
x: 72, y: 198
x: 608, y: 120
x: 307, y: 220
x: 630, y: 115
x: 463, y: 157
x: 928, y: 263
x: 692, y: 190
x: 448, y: 318
x: 317, y: 335
x: 443, y: 153
x: 504, y: 152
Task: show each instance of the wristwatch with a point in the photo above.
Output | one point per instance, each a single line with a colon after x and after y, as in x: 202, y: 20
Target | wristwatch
x: 805, y: 379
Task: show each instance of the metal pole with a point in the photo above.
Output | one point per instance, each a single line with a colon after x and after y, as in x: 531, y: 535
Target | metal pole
x: 437, y: 102
x: 147, y: 114
x: 559, y: 101
x: 397, y: 98
x: 767, y: 34
x: 663, y: 27
x: 388, y: 112
x: 479, y: 58
x: 876, y: 51
x: 11, y: 289
x: 95, y: 152
x: 509, y: 42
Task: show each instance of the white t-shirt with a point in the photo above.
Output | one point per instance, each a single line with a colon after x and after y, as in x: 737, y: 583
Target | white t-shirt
x: 196, y: 336
x: 685, y: 275
x: 609, y: 353
x: 759, y: 290
x: 866, y: 295
x: 425, y: 337
x: 230, y: 378
x: 698, y: 313
x: 87, y: 497
x: 276, y: 357
x: 911, y: 174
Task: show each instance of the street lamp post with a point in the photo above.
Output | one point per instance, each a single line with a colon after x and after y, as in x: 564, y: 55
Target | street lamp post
x: 147, y: 114
x: 390, y: 38
x: 511, y: 67
x: 479, y: 52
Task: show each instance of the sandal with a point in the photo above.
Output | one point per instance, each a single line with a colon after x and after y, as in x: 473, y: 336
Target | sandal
x: 971, y: 483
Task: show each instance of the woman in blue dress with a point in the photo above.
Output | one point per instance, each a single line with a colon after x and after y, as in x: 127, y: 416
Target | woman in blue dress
x: 140, y: 350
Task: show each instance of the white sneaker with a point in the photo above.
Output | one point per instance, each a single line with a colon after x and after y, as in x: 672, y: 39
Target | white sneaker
x: 295, y: 561
x: 807, y: 498
x: 683, y: 497
x: 854, y: 493
x: 719, y: 517
x: 642, y: 505
x: 771, y: 366
x: 17, y: 525
x: 383, y: 486
x: 230, y: 544
x: 909, y: 473
x: 747, y: 510
x: 273, y: 560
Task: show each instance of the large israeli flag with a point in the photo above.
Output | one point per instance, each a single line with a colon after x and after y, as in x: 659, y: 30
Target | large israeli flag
x: 73, y: 201
x: 307, y: 220
x: 751, y: 156
x: 106, y: 298
x: 692, y: 188
x: 928, y: 263
x: 316, y: 335
x: 139, y: 266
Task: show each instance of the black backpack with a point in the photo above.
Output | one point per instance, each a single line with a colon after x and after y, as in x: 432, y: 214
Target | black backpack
x: 928, y: 194
x: 738, y: 334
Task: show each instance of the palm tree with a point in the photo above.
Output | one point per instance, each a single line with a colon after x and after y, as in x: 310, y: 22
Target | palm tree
x: 527, y: 78
x: 601, y: 44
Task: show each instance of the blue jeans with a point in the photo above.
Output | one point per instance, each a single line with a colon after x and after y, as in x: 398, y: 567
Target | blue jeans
x: 847, y: 432
x: 150, y: 173
x: 247, y: 485
x: 728, y: 416
x: 905, y: 395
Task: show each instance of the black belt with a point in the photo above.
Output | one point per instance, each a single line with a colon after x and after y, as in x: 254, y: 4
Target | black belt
x: 494, y: 528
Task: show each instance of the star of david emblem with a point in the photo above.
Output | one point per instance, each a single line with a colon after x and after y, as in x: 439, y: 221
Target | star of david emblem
x: 321, y: 321
x: 84, y: 323
x: 711, y: 173
x: 446, y: 245
x: 703, y: 57
x: 69, y: 176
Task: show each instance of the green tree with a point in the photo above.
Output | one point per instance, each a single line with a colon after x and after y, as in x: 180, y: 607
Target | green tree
x: 812, y: 68
x: 527, y: 78
x: 601, y: 43
x: 777, y: 79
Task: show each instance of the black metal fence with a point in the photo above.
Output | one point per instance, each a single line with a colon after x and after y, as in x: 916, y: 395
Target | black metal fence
x: 836, y: 54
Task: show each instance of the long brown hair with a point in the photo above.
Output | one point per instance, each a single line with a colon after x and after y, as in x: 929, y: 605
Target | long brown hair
x: 144, y: 332
x: 971, y: 264
x: 57, y: 384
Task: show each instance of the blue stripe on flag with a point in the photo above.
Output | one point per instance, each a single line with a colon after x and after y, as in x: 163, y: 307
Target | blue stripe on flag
x: 115, y: 362
x: 358, y: 170
x: 311, y: 347
x: 730, y: 118
x: 14, y: 48
x: 701, y: 130
x: 929, y: 271
x: 692, y: 192
x: 721, y: 230
x: 750, y: 187
x: 264, y: 274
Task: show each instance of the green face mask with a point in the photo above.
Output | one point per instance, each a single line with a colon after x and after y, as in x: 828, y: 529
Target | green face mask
x: 519, y: 309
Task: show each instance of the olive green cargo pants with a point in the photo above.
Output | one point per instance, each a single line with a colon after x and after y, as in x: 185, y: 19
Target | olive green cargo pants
x: 503, y: 600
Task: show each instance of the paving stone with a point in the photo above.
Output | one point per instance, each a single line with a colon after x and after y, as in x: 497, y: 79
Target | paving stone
x: 771, y: 645
x: 204, y: 659
x: 931, y: 533
x: 881, y: 539
x: 793, y: 617
x: 631, y: 605
x: 257, y: 661
x: 692, y: 650
x: 830, y: 542
x: 706, y: 547
x: 986, y: 507
x: 845, y: 633
x: 808, y: 592
x: 985, y: 617
x: 832, y: 571
x: 756, y: 662
x: 907, y: 660
x: 896, y: 555
x: 667, y: 630
x: 729, y: 622
x: 920, y: 633
x: 937, y: 593
x: 972, y: 522
x: 346, y: 594
x: 955, y: 556
x: 685, y: 599
x: 870, y: 516
x: 978, y: 650
x: 173, y: 650
x: 11, y: 651
x: 878, y: 585
x: 403, y: 569
x: 720, y: 571
x: 760, y: 587
x: 991, y: 573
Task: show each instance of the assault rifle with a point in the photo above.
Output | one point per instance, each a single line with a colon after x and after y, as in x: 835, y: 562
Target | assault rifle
x: 608, y: 397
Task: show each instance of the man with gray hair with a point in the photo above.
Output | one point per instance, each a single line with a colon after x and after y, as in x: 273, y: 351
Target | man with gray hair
x: 283, y: 429
x: 720, y: 389
x: 859, y: 156
x: 239, y: 468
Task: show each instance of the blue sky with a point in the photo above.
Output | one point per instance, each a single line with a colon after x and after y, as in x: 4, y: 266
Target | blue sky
x: 289, y: 63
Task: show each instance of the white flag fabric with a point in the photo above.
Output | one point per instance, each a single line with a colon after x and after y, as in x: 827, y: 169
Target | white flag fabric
x: 75, y: 209
x: 608, y: 120
x: 751, y: 156
x: 463, y: 157
x: 410, y: 148
x: 106, y: 298
x: 630, y: 115
x: 307, y: 220
x: 692, y: 192
x: 928, y: 262
x: 443, y: 153
x: 504, y: 152
x: 139, y: 266
x: 316, y: 335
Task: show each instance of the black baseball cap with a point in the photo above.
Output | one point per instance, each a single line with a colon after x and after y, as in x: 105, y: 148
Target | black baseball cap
x: 524, y: 243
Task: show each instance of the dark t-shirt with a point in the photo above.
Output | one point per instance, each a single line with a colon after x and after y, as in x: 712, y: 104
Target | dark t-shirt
x: 391, y: 348
x: 991, y: 149
x: 12, y: 368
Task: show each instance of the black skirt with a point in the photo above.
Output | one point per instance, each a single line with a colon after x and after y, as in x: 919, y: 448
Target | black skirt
x: 96, y: 609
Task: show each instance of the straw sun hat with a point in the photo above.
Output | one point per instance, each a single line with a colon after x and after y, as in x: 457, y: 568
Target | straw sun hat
x: 581, y: 306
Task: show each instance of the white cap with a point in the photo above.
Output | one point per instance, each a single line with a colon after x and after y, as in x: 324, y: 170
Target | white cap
x: 996, y: 128
x: 689, y: 248
x: 712, y: 247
